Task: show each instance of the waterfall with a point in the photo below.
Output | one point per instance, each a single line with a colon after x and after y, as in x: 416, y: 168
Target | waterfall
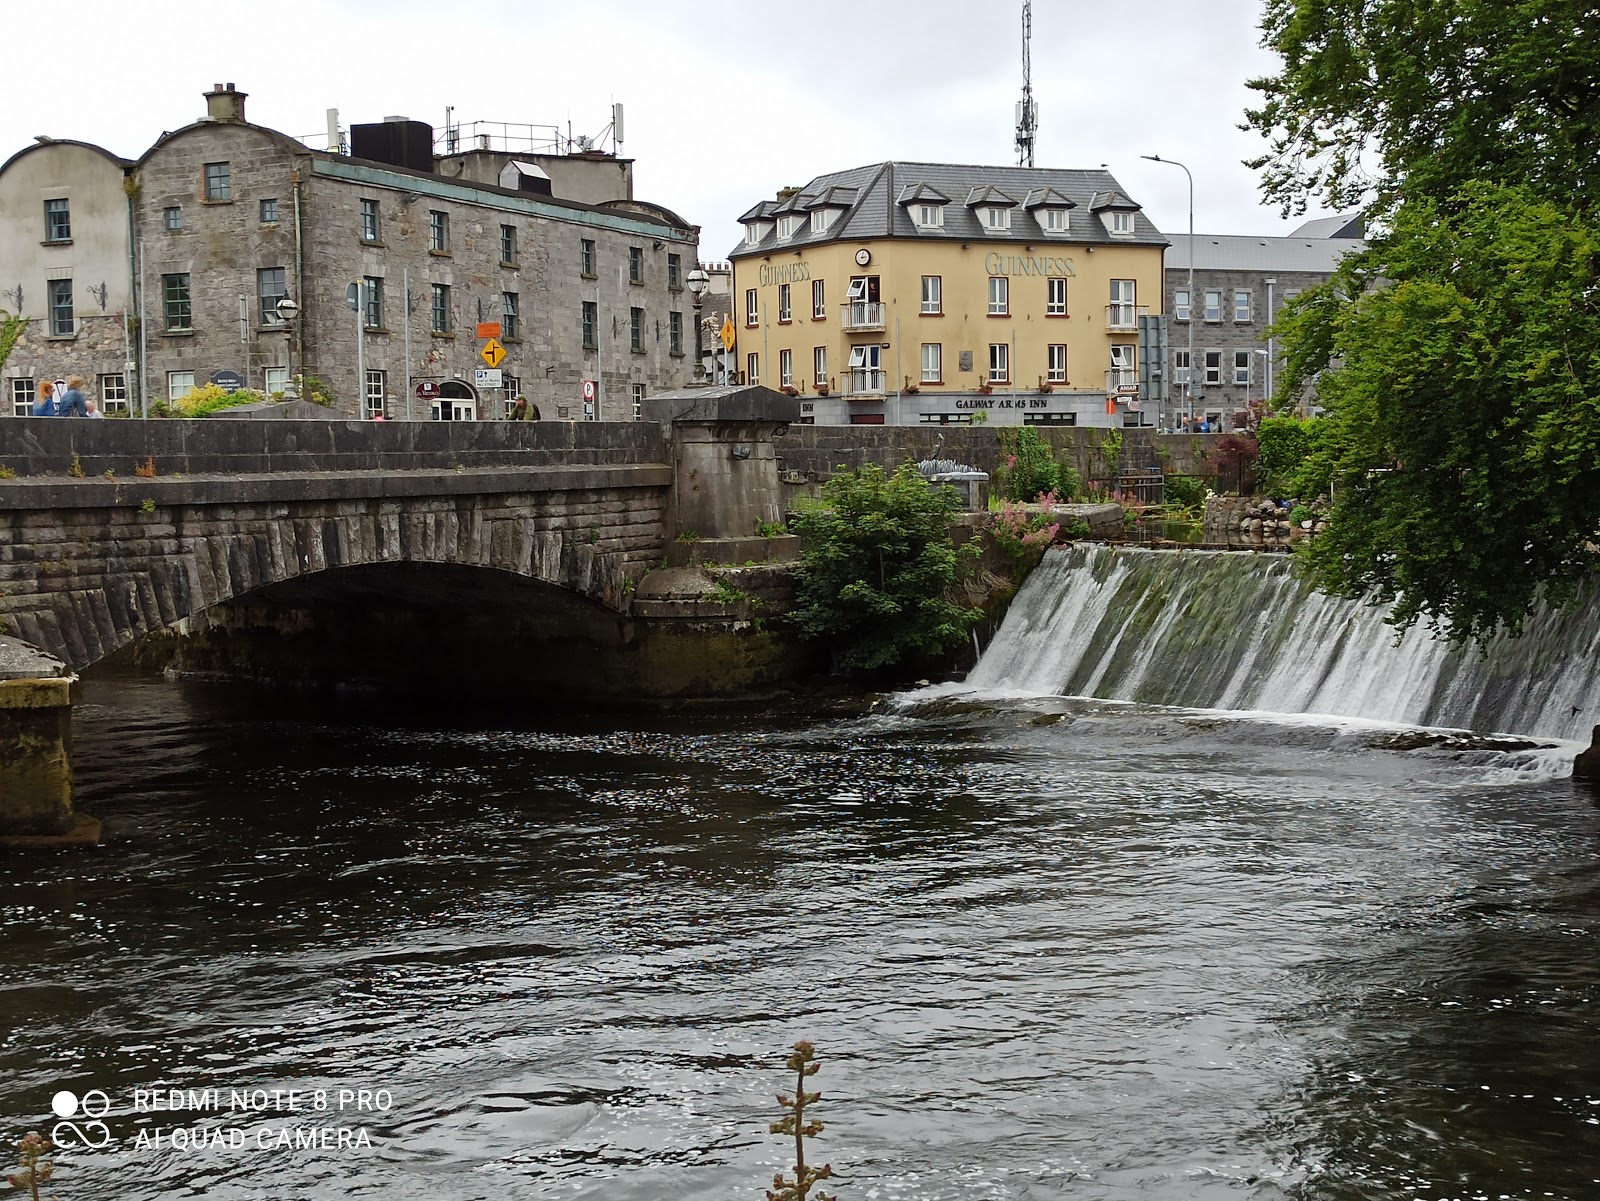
x: 1228, y: 630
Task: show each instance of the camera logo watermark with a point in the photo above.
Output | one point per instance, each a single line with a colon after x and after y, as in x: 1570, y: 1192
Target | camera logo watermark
x: 91, y: 1131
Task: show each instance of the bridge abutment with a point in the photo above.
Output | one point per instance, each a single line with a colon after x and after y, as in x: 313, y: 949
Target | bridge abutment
x: 36, y: 751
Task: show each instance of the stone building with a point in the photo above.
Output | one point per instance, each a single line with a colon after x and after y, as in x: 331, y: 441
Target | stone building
x: 1240, y: 284
x: 399, y: 264
x: 909, y: 293
x: 65, y: 269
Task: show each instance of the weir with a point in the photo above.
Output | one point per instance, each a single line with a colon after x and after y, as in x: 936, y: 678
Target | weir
x: 1226, y: 630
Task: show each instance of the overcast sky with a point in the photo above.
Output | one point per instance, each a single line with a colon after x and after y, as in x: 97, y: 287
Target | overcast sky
x: 724, y: 103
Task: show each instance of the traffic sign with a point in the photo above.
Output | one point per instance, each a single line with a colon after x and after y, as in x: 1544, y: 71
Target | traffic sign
x: 589, y: 389
x: 493, y: 353
x: 487, y: 377
x: 727, y: 333
x: 488, y: 329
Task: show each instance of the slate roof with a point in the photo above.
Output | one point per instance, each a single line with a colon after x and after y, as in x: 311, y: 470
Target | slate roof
x: 883, y: 190
x: 1246, y: 252
x: 1343, y: 225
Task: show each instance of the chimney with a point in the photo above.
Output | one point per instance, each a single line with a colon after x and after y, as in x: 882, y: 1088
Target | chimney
x: 223, y: 103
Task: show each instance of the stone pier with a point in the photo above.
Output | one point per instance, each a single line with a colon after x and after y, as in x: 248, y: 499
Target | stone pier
x: 36, y: 751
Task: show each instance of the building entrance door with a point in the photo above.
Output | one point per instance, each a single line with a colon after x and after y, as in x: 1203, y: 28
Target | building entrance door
x: 456, y: 402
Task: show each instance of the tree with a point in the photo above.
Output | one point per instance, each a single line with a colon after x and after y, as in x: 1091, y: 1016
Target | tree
x: 1376, y: 94
x: 879, y: 561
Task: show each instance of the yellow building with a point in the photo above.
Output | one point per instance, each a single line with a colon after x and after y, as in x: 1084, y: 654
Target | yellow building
x: 902, y: 293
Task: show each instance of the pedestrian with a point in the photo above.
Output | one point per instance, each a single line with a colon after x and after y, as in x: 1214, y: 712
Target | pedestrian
x: 71, y: 402
x: 45, y: 406
x: 519, y: 410
x: 91, y: 409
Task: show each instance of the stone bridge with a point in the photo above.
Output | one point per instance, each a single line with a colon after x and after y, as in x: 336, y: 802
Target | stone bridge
x: 114, y: 530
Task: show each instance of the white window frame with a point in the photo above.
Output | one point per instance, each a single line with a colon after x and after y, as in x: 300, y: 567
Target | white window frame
x: 752, y: 308
x: 373, y: 394
x: 857, y: 289
x: 1241, y: 305
x: 785, y: 308
x: 1213, y: 304
x: 786, y: 368
x: 1053, y: 220
x: 275, y: 379
x: 996, y: 219
x: 1241, y: 367
x: 933, y: 362
x: 1055, y: 296
x: 1055, y: 371
x: 1123, y: 310
x: 112, y: 388
x: 933, y: 295
x: 787, y: 224
x: 819, y: 365
x: 929, y: 216
x: 1121, y: 222
x: 1000, y: 362
x: 819, y: 300
x: 1124, y: 355
x: 999, y: 296
x: 638, y: 402
x: 821, y: 219
x: 23, y: 393
x: 752, y: 368
x: 1180, y: 368
x: 1182, y: 304
x: 177, y: 380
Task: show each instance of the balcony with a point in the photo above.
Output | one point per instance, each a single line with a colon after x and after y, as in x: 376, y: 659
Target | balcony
x: 1122, y: 383
x: 862, y: 383
x: 861, y: 316
x: 1123, y: 318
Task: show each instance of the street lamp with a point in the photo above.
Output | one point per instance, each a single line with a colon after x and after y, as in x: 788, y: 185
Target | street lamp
x: 356, y: 297
x: 1188, y: 382
x: 698, y: 282
x: 287, y: 311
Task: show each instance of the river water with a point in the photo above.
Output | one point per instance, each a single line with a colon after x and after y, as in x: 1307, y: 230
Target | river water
x: 1045, y: 947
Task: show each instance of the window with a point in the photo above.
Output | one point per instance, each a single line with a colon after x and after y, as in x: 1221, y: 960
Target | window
x: 929, y: 216
x: 1289, y: 294
x: 1047, y: 418
x: 1122, y: 223
x: 57, y: 221
x: 932, y: 295
x: 819, y: 301
x: 636, y: 330
x: 175, y: 301
x: 999, y: 296
x: 1241, y: 306
x: 674, y: 333
x: 638, y: 402
x: 1120, y: 312
x: 60, y: 303
x: 271, y: 287
x: 269, y: 211
x: 1055, y: 296
x: 787, y: 225
x: 819, y: 366
x: 1241, y: 367
x: 438, y: 232
x: 1122, y: 359
x: 172, y: 217
x: 21, y: 395
x: 783, y: 304
x: 821, y: 219
x: 1213, y: 366
x: 276, y: 380
x: 179, y: 384
x: 752, y: 369
x: 753, y: 232
x: 113, y: 391
x: 751, y: 311
x: 1213, y: 305
x: 674, y: 272
x: 1180, y: 304
x: 591, y: 324
x: 508, y: 244
x: 785, y: 369
x: 510, y: 315
x: 995, y: 219
x: 1053, y: 220
x: 1056, y: 363
x: 219, y: 184
x: 636, y: 264
x: 1181, y: 369
x: 586, y: 258
x: 441, y: 308
x: 932, y: 363
x: 372, y: 318
x: 999, y: 362
x: 369, y: 220
x: 373, y: 394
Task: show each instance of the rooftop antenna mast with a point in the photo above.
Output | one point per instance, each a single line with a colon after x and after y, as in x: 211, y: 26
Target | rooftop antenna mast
x: 1027, y: 111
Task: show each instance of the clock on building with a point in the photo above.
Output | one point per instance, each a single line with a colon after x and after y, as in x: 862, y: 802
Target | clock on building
x: 863, y: 257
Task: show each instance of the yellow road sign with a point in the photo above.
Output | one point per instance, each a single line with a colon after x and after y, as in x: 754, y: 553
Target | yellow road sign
x: 493, y: 353
x: 727, y: 333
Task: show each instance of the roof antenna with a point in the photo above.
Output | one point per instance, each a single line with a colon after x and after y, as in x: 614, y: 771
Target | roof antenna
x: 1027, y: 111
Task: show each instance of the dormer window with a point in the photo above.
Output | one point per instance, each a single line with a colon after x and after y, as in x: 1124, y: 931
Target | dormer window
x: 928, y: 216
x: 1121, y: 223
x: 995, y: 218
x: 1053, y: 220
x: 754, y: 231
x: 821, y: 219
x: 787, y: 225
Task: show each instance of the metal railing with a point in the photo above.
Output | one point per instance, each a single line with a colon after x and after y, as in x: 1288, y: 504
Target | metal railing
x: 861, y: 315
x: 862, y: 382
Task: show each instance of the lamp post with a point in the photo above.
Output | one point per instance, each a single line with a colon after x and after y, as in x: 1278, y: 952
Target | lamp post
x: 1188, y: 381
x: 287, y: 311
x: 698, y: 281
x: 356, y: 297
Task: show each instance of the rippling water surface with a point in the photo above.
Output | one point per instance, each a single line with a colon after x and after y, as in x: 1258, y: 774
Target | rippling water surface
x: 1046, y: 949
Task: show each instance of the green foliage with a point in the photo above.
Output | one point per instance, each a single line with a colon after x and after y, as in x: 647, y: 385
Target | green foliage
x: 11, y: 328
x: 1028, y: 467
x: 1293, y: 458
x: 315, y: 389
x: 211, y: 398
x: 8, y: 473
x: 1023, y: 535
x: 1186, y: 491
x: 878, y: 563
x: 1464, y: 400
x: 770, y: 529
x: 75, y: 469
x: 1434, y: 95
x: 147, y: 505
x: 795, y: 1123
x: 1300, y: 513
